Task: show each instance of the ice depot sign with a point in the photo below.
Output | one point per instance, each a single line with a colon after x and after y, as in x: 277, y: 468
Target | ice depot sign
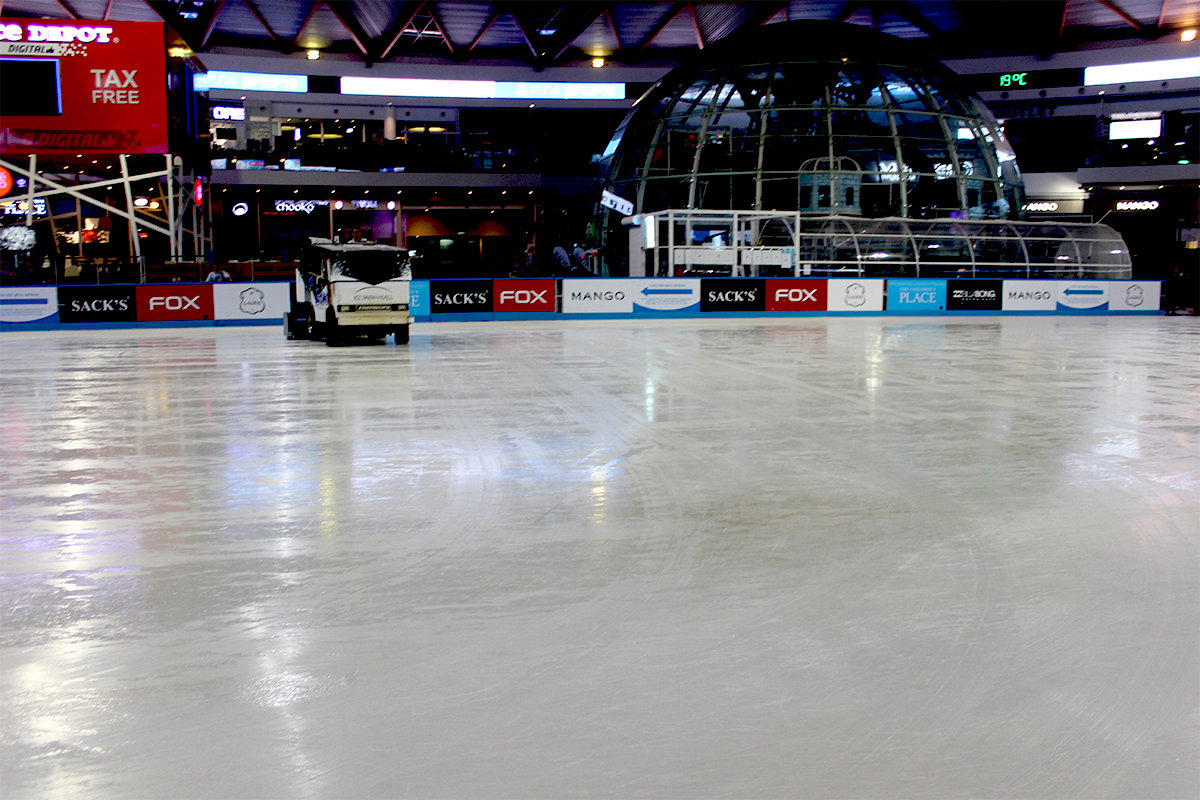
x: 82, y: 86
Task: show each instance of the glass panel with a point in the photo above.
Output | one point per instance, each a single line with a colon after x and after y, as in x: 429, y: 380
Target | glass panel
x: 997, y: 248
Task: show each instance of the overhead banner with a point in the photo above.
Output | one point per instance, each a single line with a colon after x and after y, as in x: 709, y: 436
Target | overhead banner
x: 82, y: 86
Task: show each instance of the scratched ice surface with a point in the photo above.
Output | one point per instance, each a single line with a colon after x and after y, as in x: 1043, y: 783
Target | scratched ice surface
x: 810, y: 558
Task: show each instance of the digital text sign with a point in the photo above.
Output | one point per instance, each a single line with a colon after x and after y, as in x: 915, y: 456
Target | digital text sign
x: 83, y: 86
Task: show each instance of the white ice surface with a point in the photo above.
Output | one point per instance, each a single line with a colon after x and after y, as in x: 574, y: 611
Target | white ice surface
x: 805, y: 558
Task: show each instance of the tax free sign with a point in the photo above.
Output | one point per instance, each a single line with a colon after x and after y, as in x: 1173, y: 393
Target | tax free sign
x: 86, y: 86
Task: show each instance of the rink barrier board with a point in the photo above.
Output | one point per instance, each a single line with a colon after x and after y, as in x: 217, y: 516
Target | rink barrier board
x: 171, y: 305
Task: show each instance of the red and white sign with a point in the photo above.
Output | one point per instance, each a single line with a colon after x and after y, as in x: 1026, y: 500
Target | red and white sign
x: 790, y: 294
x: 6, y: 182
x: 523, y: 296
x: 93, y: 86
x: 164, y: 303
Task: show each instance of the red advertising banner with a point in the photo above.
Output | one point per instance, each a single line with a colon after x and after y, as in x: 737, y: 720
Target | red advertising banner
x: 82, y: 86
x: 183, y: 302
x: 790, y: 294
x: 523, y: 295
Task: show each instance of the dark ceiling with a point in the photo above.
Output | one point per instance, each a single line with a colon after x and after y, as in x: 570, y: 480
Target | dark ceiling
x: 545, y: 34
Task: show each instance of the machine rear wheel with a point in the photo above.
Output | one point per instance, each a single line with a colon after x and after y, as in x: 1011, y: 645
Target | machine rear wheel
x: 333, y: 334
x: 401, y: 334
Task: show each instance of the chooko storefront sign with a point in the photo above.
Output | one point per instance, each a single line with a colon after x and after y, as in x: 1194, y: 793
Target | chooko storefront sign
x: 89, y: 86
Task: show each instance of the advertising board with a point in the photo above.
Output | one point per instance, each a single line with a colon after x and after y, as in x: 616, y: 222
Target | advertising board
x: 460, y: 297
x: 732, y: 294
x: 916, y: 295
x: 418, y: 299
x: 974, y: 295
x: 27, y: 303
x: 524, y: 296
x: 1134, y: 296
x: 265, y: 302
x: 1028, y: 296
x: 179, y: 302
x: 854, y: 294
x: 597, y: 296
x: 790, y: 294
x: 1081, y: 295
x: 96, y: 304
x: 82, y: 86
x: 666, y: 295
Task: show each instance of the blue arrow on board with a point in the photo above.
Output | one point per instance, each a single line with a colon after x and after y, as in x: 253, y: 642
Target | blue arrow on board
x: 1082, y: 291
x: 648, y: 290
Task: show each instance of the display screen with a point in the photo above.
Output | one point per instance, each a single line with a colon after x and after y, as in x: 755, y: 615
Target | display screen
x: 30, y: 87
x: 1025, y: 79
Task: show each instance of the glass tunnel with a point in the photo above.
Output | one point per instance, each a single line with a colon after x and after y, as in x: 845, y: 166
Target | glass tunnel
x: 765, y: 244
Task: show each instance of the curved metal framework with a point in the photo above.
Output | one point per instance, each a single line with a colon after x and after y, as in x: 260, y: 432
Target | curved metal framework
x: 755, y: 243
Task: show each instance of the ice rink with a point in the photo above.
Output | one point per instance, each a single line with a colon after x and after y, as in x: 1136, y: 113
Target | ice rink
x: 789, y: 558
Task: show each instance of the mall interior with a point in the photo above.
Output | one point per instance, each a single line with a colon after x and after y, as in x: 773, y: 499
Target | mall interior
x: 802, y: 400
x: 481, y: 136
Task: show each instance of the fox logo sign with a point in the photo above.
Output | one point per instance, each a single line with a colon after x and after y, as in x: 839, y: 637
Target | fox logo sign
x: 525, y: 296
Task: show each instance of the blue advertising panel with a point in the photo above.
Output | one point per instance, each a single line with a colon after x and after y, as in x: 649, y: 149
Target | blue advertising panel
x: 667, y: 296
x: 418, y: 299
x: 916, y: 295
x: 28, y: 304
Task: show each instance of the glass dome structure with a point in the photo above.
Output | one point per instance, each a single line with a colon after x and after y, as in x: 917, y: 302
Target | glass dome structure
x: 815, y: 119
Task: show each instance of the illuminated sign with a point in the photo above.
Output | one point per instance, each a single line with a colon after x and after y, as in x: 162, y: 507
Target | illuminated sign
x: 229, y: 112
x: 1042, y: 205
x: 1137, y: 205
x: 1013, y: 79
x: 1166, y: 70
x: 33, y: 34
x: 12, y: 208
x: 240, y: 209
x: 87, y: 87
x: 1135, y: 129
x: 488, y: 90
x: 249, y: 82
x: 303, y: 206
x: 6, y: 181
